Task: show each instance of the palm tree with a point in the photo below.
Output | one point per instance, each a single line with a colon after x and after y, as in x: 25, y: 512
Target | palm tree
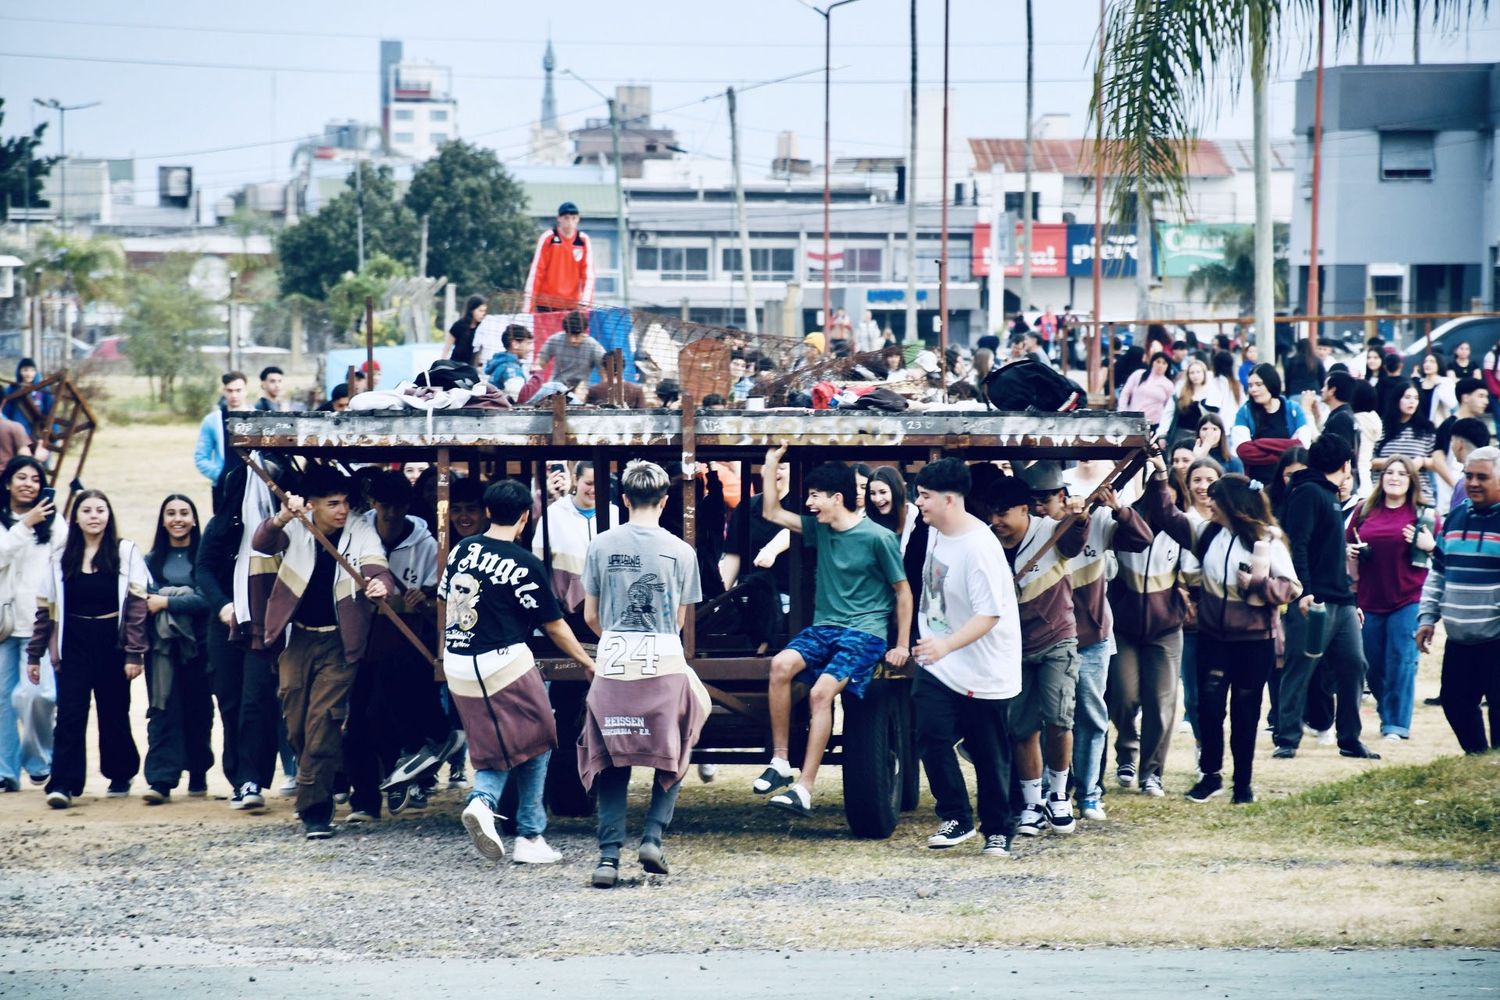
x: 1157, y: 85
x: 1231, y: 281
x: 82, y: 268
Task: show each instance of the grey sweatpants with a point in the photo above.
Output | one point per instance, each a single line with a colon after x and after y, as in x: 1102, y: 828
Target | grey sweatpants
x: 613, y: 784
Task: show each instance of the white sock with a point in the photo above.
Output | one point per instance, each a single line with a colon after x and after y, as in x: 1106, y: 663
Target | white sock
x: 1057, y: 782
x: 801, y: 792
x: 1031, y: 791
x: 782, y: 765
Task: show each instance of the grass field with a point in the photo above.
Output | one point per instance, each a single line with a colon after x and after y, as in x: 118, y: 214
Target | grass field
x: 1337, y: 852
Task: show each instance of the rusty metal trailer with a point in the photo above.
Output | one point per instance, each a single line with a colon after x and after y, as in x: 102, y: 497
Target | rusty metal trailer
x: 875, y: 748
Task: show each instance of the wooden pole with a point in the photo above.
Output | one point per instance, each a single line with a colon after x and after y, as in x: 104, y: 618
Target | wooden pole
x: 369, y: 342
x: 1314, y: 304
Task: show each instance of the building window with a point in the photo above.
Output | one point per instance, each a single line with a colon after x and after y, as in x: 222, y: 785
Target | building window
x: 403, y: 114
x: 438, y: 138
x: 403, y: 137
x: 438, y: 115
x: 860, y: 264
x: 1387, y: 290
x: 1406, y: 156
x: 674, y: 263
x: 767, y: 263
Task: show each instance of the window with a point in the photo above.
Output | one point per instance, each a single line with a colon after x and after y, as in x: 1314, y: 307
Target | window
x: 438, y: 115
x: 1406, y: 156
x: 438, y: 138
x: 403, y: 137
x: 861, y: 264
x: 766, y: 263
x: 674, y: 263
x: 1387, y: 290
x: 403, y: 114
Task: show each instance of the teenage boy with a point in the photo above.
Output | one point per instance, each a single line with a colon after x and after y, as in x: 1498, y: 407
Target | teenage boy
x: 860, y: 580
x: 1314, y: 521
x: 509, y: 369
x: 497, y: 595
x: 1049, y: 649
x: 329, y: 618
x: 646, y: 707
x: 968, y: 662
x: 272, y: 390
x: 1473, y: 402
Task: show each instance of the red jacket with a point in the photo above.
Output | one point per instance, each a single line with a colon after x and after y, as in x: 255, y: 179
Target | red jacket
x: 562, y: 273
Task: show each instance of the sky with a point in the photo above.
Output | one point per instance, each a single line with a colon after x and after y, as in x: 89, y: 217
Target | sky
x: 229, y: 89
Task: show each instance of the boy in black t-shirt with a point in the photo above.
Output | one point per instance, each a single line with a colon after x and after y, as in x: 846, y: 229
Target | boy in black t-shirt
x: 497, y: 594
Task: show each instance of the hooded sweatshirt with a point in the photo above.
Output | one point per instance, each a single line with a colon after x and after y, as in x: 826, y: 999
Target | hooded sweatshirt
x: 1463, y: 585
x: 1314, y: 521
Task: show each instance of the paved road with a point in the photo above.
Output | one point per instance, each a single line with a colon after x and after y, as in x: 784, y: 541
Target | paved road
x: 154, y: 968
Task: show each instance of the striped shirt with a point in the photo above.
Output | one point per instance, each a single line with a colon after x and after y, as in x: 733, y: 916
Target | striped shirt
x: 1417, y: 446
x: 1463, y: 585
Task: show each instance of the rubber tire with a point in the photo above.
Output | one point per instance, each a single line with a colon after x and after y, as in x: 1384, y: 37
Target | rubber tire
x: 565, y: 792
x: 872, y: 749
x: 911, y: 761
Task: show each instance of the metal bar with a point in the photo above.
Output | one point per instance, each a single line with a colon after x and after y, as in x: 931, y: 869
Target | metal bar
x: 333, y: 550
x: 601, y: 488
x: 690, y: 511
x: 369, y: 342
x: 444, y: 471
x: 1123, y: 464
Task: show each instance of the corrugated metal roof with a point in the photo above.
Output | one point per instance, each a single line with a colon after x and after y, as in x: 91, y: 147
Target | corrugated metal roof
x: 1240, y: 153
x: 1075, y: 157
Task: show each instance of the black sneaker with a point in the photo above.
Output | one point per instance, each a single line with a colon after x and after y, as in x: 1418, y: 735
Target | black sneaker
x: 318, y: 831
x: 416, y: 796
x: 1284, y: 753
x: 197, y: 785
x: 1243, y: 797
x: 606, y: 873
x: 118, y: 789
x: 156, y: 795
x: 950, y: 834
x: 1060, y: 813
x: 1207, y: 787
x: 652, y: 859
x: 1125, y: 775
x: 1033, y: 821
x: 996, y: 845
x: 41, y: 779
x: 395, y: 799
x: 10, y: 785
x: 1360, y: 751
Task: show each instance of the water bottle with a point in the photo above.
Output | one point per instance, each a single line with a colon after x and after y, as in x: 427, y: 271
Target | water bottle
x: 1260, y: 568
x: 1426, y: 521
x: 1317, y: 630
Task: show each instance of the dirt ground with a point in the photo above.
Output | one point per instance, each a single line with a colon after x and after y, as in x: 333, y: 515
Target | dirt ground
x: 1158, y: 872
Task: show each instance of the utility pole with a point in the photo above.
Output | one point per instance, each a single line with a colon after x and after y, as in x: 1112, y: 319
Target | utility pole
x: 1026, y: 212
x: 622, y: 235
x: 911, y: 193
x: 943, y: 258
x: 422, y: 249
x: 827, y: 14
x: 62, y: 142
x: 1096, y: 342
x: 1314, y: 304
x: 746, y: 263
x: 1265, y: 292
x: 359, y: 202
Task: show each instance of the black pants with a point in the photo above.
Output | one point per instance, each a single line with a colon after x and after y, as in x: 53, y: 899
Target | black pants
x: 1343, y: 659
x: 1471, y: 671
x: 244, y: 683
x: 1232, y: 674
x: 93, y: 665
x: 407, y: 705
x: 362, y: 767
x: 943, y: 717
x: 177, y: 736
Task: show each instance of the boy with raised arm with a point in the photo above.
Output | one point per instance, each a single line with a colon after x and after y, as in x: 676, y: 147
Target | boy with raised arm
x: 646, y: 707
x: 860, y: 581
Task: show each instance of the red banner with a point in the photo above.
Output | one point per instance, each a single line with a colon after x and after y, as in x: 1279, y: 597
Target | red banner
x: 1049, y: 251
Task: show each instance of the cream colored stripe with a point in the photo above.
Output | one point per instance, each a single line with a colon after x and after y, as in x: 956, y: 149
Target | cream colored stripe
x: 498, y: 670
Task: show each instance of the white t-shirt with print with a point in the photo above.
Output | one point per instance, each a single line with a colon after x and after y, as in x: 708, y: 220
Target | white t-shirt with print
x: 963, y: 576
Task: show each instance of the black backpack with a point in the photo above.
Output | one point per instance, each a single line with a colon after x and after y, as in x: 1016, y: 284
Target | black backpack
x: 448, y: 374
x: 1030, y: 385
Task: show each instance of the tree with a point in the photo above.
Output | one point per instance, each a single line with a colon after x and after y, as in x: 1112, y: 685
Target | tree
x: 84, y: 269
x: 1232, y: 280
x: 166, y: 321
x: 346, y: 300
x: 315, y: 253
x: 21, y: 170
x: 1156, y: 88
x: 478, y: 231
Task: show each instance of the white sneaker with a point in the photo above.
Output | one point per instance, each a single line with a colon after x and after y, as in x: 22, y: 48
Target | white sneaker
x: 289, y: 786
x: 1392, y: 737
x: 534, y: 851
x: 479, y: 821
x: 1326, y: 738
x: 1093, y: 809
x: 707, y: 772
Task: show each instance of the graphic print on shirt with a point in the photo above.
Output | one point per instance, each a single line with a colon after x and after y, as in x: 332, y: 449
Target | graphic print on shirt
x: 643, y: 592
x: 475, y: 567
x: 463, y: 603
x: 934, y: 600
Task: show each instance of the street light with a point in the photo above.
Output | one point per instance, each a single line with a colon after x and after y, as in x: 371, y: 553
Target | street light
x: 827, y: 14
x: 62, y: 143
x: 621, y: 237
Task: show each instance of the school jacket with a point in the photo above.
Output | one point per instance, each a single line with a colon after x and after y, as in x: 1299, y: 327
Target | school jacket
x: 1224, y: 610
x: 1125, y: 531
x: 52, y: 616
x: 1147, y: 592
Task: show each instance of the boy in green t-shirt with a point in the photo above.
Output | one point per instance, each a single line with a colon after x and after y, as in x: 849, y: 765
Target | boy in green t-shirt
x: 860, y: 579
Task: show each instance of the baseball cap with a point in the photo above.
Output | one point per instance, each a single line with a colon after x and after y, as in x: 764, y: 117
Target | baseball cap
x: 567, y: 208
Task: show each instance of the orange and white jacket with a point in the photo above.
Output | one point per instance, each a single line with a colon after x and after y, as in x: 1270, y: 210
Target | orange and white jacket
x: 562, y: 273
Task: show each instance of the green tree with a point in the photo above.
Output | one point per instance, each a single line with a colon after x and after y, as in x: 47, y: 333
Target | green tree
x: 478, y: 233
x: 21, y: 169
x: 1232, y: 280
x: 84, y: 268
x: 315, y: 253
x: 346, y: 299
x: 166, y: 321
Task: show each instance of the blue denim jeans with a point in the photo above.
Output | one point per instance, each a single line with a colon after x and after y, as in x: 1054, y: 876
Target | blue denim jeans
x: 35, y: 753
x: 1189, y: 672
x: 1391, y: 653
x: 1090, y: 719
x: 531, y: 815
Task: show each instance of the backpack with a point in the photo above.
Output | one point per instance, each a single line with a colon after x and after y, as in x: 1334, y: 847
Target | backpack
x: 448, y: 374
x: 1030, y: 385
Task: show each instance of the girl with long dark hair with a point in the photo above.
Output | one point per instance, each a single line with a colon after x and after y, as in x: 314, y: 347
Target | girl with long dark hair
x: 886, y: 503
x: 1269, y: 416
x: 26, y: 543
x: 459, y: 344
x: 91, y: 617
x: 1407, y: 433
x: 1247, y: 574
x: 1213, y: 442
x: 178, y: 681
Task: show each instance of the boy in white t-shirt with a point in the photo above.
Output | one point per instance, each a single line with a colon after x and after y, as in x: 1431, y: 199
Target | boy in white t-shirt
x: 969, y: 662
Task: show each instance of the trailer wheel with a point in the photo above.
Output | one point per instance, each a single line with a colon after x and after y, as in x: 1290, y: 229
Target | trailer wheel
x: 872, y: 751
x: 911, y: 761
x: 565, y: 792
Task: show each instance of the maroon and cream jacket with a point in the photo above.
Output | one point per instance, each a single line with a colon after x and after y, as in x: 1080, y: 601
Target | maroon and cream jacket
x: 1045, y: 592
x: 1231, y: 614
x: 52, y: 616
x: 502, y: 701
x: 1125, y: 531
x: 1148, y: 593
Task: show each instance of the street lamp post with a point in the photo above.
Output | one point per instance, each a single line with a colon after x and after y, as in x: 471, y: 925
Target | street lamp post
x: 621, y: 236
x: 62, y: 142
x: 827, y: 14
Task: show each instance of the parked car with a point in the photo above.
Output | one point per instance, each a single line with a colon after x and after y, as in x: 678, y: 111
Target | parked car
x: 1481, y: 333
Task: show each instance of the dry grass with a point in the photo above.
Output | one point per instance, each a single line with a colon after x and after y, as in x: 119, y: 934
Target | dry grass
x: 1338, y: 852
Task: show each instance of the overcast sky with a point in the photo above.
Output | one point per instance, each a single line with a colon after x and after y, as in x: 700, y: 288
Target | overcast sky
x: 180, y: 81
